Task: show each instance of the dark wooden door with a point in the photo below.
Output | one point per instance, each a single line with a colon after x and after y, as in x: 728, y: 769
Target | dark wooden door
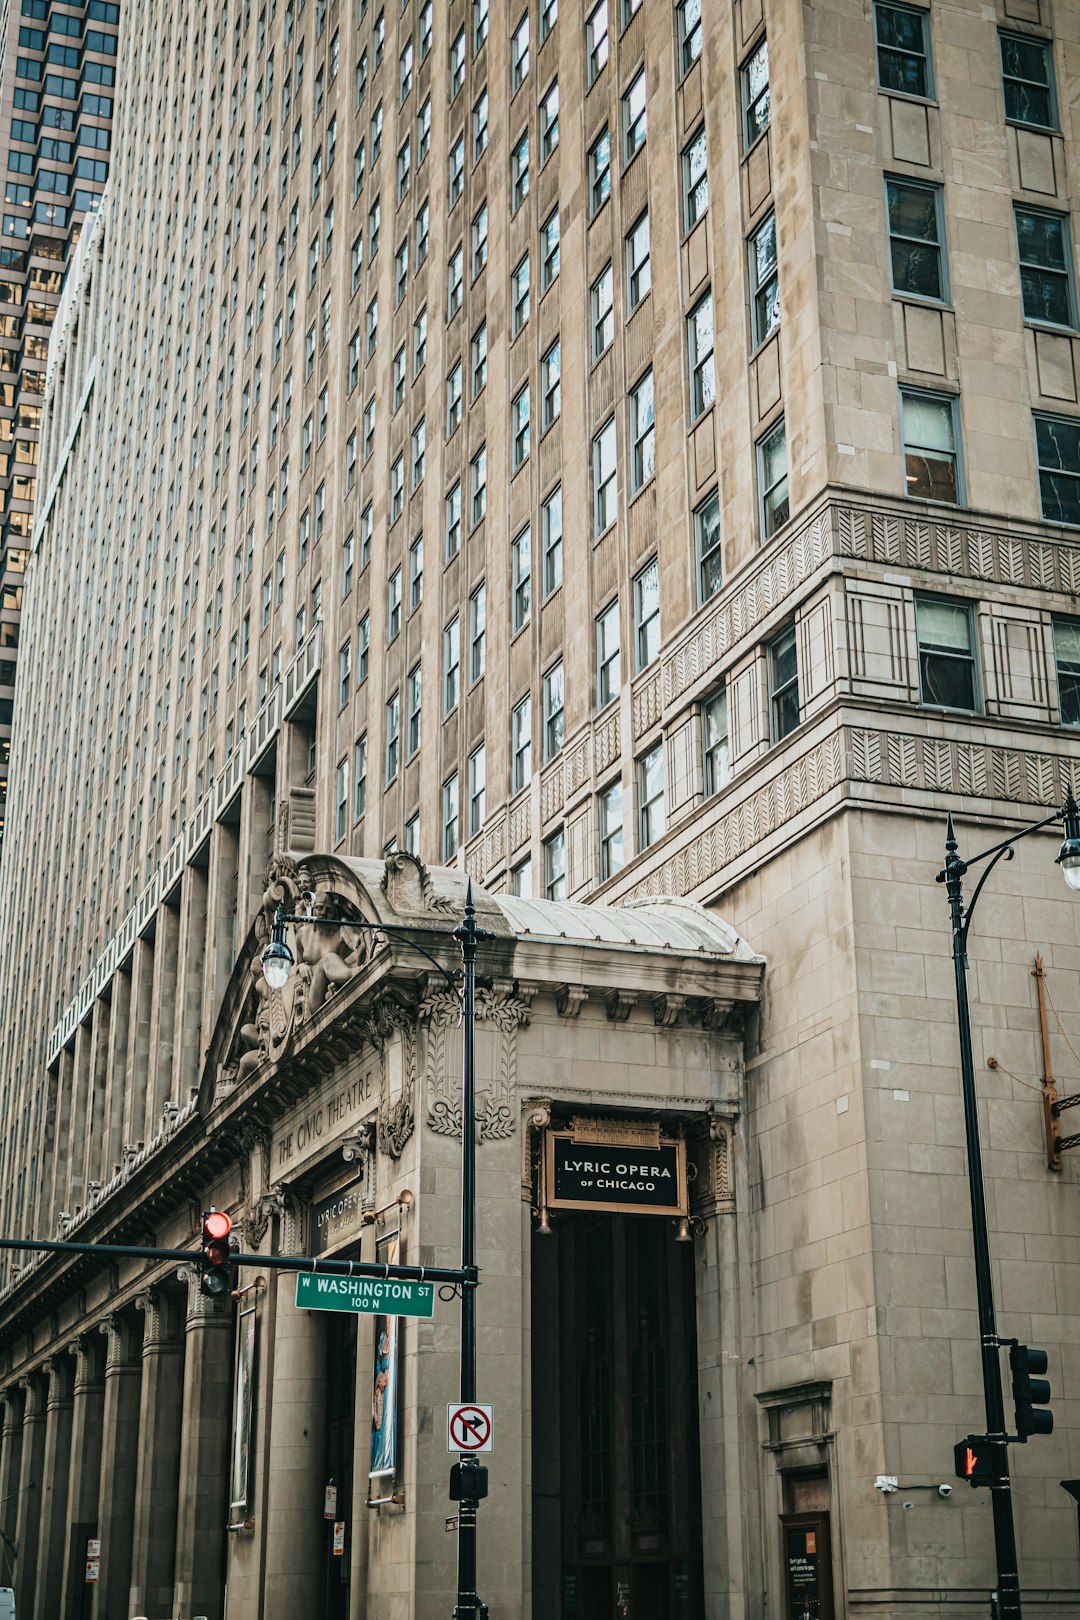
x: 629, y: 1469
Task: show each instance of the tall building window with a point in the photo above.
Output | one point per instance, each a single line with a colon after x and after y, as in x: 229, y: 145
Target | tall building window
x: 695, y: 166
x: 552, y: 536
x: 452, y: 522
x: 419, y: 343
x: 480, y: 23
x: 605, y: 478
x: 608, y: 673
x: 519, y: 53
x: 714, y: 737
x: 450, y: 828
x: 553, y: 710
x: 555, y: 866
x: 773, y: 479
x: 597, y: 41
x: 451, y: 664
x: 916, y: 238
x: 477, y: 784
x: 1067, y: 659
x: 599, y: 171
x: 393, y: 605
x: 457, y: 63
x: 416, y: 573
x: 479, y: 240
x: 412, y: 835
x: 755, y: 92
x: 397, y: 488
x: 549, y: 121
x: 689, y: 34
x: 519, y: 296
x: 521, y: 879
x: 393, y: 736
x: 478, y: 359
x: 520, y: 580
x: 611, y: 830
x: 602, y: 304
x: 549, y: 16
x: 702, y: 362
x: 549, y: 251
x: 519, y: 173
x: 521, y: 744
x: 550, y: 386
x: 783, y: 684
x: 1027, y: 77
x: 480, y: 127
x: 1057, y: 447
x: 477, y: 632
x: 360, y: 778
x: 947, y: 675
x: 454, y: 281
x: 453, y: 401
x: 634, y: 117
x: 341, y: 800
x: 707, y: 546
x: 414, y: 689
x: 764, y: 280
x: 419, y: 452
x: 652, y: 819
x: 931, y: 459
x: 344, y: 673
x: 638, y: 263
x: 903, y: 49
x: 520, y: 429
x: 478, y: 486
x: 642, y: 433
x: 1046, y: 269
x: 457, y: 170
x: 647, y: 614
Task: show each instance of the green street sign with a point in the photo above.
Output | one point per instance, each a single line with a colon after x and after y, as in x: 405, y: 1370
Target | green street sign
x: 366, y: 1295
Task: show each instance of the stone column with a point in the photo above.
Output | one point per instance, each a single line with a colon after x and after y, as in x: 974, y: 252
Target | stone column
x: 119, y: 1459
x: 153, y: 1542
x: 204, y: 1453
x: 54, y: 1492
x: 87, y: 1417
x: 10, y: 1469
x: 28, y: 1520
x: 295, y: 1529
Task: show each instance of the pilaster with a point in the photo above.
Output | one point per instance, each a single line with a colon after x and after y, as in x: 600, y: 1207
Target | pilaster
x: 84, y: 1474
x: 54, y: 1488
x: 32, y: 1462
x: 153, y: 1546
x: 10, y: 1468
x: 119, y: 1460
x: 199, y: 1579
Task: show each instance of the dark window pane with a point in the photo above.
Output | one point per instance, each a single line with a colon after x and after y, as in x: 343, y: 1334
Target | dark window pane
x: 1069, y: 695
x: 1028, y: 104
x: 787, y: 712
x: 948, y: 683
x: 901, y: 51
x: 1057, y: 439
x: 1046, y: 296
x: 931, y: 477
x: 916, y: 269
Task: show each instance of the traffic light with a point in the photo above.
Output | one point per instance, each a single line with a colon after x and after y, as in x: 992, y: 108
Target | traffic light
x: 216, y: 1255
x: 974, y: 1459
x: 1030, y: 1392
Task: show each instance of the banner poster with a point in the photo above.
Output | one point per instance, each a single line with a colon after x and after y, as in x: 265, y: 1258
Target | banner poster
x: 384, y: 1386
x: 243, y: 1409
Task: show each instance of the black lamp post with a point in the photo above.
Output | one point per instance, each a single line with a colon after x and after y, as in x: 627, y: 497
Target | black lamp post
x: 470, y: 1479
x: 1005, y: 1601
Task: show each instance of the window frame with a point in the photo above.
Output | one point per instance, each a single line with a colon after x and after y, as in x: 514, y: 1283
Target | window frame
x: 701, y: 366
x: 1073, y: 423
x: 553, y: 685
x: 953, y: 402
x: 1051, y: 85
x: 691, y: 216
x: 778, y: 690
x: 938, y: 192
x: 1068, y: 274
x: 649, y: 833
x: 748, y: 103
x: 1070, y: 622
x: 521, y: 744
x: 608, y: 660
x: 928, y: 93
x: 610, y: 835
x: 711, y: 555
x: 646, y: 624
x: 715, y: 776
x: 971, y: 658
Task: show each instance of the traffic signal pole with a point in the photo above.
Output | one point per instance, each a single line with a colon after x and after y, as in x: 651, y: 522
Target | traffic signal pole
x: 1005, y: 1602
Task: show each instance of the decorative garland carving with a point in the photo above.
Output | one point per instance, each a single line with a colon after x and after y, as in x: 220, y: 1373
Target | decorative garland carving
x: 713, y: 1187
x: 495, y: 1112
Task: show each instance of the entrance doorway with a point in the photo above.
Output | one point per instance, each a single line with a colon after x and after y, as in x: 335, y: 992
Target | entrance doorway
x: 616, y: 1465
x: 340, y: 1448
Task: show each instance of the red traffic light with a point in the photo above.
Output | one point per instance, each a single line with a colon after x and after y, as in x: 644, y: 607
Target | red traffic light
x: 216, y: 1226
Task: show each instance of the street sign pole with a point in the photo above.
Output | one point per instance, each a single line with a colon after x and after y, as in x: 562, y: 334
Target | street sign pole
x: 469, y: 1606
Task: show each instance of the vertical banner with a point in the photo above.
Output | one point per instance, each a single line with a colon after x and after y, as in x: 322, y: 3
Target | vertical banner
x: 243, y: 1410
x: 384, y: 1384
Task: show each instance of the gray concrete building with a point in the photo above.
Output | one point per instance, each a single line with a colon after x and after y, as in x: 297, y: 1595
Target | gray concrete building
x: 319, y: 602
x: 57, y: 89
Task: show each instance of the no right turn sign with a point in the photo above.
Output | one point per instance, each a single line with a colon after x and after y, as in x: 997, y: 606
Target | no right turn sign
x: 468, y: 1427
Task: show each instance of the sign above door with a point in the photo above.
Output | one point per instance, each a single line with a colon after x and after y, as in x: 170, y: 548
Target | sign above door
x: 616, y: 1168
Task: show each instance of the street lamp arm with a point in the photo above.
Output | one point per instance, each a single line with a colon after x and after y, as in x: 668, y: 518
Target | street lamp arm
x: 391, y: 930
x: 956, y: 867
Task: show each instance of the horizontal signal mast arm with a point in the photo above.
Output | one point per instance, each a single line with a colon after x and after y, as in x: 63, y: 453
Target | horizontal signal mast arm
x: 271, y: 1262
